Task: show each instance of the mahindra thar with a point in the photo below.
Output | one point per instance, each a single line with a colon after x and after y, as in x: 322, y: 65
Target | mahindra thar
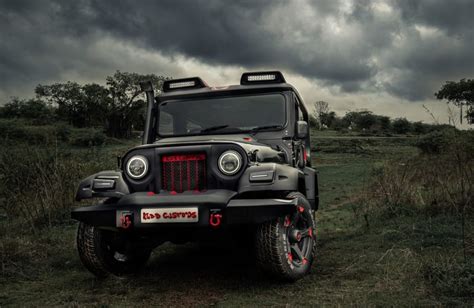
x: 215, y: 162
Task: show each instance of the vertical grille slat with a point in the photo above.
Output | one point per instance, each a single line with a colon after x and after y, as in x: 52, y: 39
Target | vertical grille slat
x: 181, y: 172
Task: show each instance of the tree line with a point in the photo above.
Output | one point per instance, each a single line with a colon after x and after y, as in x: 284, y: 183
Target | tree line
x: 365, y: 121
x: 117, y: 107
x: 460, y: 94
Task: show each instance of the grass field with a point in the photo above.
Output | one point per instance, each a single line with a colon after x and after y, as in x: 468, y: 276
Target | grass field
x: 361, y: 260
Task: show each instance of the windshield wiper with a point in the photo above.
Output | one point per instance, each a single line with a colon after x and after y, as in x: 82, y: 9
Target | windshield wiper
x: 260, y: 128
x: 212, y: 128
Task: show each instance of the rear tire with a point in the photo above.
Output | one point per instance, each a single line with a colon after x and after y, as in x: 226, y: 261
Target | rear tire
x: 99, y: 252
x: 286, y: 246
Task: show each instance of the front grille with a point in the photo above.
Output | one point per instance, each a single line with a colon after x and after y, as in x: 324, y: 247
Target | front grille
x: 183, y: 172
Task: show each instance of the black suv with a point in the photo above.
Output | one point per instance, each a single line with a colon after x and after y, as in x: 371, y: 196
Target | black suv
x: 215, y: 162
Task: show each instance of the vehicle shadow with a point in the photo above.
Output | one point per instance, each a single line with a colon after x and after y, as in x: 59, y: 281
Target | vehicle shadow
x: 195, y: 275
x: 217, y: 262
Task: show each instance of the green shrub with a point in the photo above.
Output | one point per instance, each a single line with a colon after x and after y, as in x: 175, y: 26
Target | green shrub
x: 63, y: 132
x: 450, y: 277
x: 448, y: 140
x: 436, y: 141
x: 401, y: 126
x: 21, y: 131
x: 35, y: 110
x: 87, y: 137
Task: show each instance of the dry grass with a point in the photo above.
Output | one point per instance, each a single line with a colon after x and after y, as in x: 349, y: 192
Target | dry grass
x: 436, y: 184
x: 426, y: 183
x: 449, y: 277
x: 38, y: 184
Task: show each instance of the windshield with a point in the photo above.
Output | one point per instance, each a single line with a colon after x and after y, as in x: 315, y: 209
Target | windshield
x: 222, y: 115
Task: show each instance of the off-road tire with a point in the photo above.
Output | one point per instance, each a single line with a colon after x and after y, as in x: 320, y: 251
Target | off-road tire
x: 273, y: 247
x: 99, y: 258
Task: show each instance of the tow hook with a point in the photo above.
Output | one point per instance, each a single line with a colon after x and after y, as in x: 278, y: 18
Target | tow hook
x: 125, y: 219
x: 215, y: 219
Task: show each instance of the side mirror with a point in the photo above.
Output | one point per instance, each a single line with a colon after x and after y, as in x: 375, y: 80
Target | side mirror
x: 301, y: 129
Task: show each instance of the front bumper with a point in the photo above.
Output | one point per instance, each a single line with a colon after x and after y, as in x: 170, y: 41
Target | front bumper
x: 126, y: 213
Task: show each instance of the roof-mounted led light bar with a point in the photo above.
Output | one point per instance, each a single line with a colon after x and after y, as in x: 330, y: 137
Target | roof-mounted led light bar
x: 253, y: 78
x: 183, y: 84
x: 262, y: 77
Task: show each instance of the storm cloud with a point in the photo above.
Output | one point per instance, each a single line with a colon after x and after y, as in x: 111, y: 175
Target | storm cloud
x: 404, y: 50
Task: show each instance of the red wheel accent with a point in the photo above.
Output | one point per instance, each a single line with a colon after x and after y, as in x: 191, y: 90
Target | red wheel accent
x: 300, y: 209
x: 150, y: 193
x: 305, y: 261
x: 290, y: 257
x: 310, y: 232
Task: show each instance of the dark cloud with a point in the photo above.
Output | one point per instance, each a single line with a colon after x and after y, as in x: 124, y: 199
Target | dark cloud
x: 405, y: 48
x: 454, y: 16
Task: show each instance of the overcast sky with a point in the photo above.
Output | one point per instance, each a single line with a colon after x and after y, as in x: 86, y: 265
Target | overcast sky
x: 385, y: 56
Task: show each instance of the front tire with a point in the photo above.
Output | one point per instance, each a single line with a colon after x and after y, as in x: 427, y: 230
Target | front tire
x: 104, y: 252
x: 286, y: 246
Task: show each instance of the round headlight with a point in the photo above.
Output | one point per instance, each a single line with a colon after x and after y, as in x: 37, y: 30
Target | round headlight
x: 137, y: 167
x: 230, y: 162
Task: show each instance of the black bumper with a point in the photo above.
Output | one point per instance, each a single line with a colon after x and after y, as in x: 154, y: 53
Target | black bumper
x: 127, y: 212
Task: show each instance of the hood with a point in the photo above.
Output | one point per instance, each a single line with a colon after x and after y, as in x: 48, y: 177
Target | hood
x: 208, y: 138
x: 257, y: 151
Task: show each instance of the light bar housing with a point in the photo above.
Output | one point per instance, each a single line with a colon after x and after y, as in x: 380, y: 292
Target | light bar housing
x: 183, y: 84
x: 251, y: 78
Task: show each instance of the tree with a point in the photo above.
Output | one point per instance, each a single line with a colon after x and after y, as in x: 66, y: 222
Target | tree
x: 460, y: 94
x: 117, y: 107
x: 360, y: 120
x: 33, y: 109
x: 339, y: 124
x: 384, y: 122
x: 327, y: 119
x: 313, y: 122
x: 321, y: 108
x: 127, y: 101
x: 419, y: 128
x: 95, y: 105
x: 67, y: 98
x: 401, y: 126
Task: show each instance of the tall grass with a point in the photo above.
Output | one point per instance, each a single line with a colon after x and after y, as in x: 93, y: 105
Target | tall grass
x: 17, y: 131
x: 38, y: 184
x: 439, y: 180
x: 449, y: 277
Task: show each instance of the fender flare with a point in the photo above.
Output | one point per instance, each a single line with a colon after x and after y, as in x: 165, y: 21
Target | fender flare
x: 104, y: 184
x: 269, y: 177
